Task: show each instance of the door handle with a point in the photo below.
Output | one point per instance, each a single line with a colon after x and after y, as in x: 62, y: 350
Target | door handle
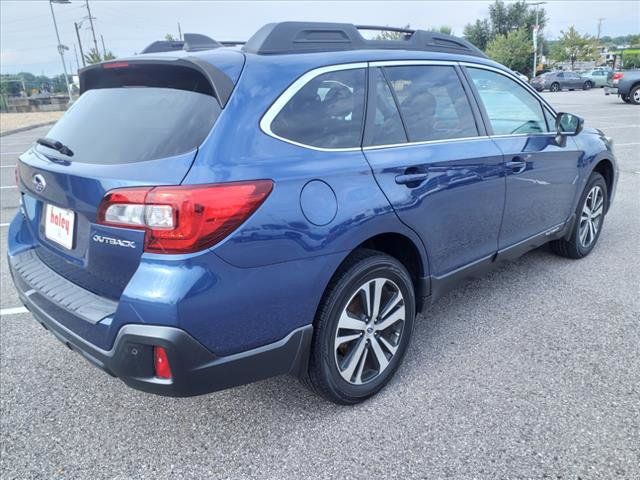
x: 516, y: 165
x: 411, y: 178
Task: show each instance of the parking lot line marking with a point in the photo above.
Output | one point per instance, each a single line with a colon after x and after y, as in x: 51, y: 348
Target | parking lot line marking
x: 12, y: 311
x: 7, y: 166
x: 609, y: 127
x: 8, y: 186
x: 626, y: 144
x: 10, y: 153
x: 4, y: 225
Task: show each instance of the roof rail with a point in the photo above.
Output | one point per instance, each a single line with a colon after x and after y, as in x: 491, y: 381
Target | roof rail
x: 408, y: 31
x: 192, y: 42
x: 308, y: 37
x: 232, y: 43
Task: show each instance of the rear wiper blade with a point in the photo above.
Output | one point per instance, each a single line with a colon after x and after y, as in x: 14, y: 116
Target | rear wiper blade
x: 55, y: 145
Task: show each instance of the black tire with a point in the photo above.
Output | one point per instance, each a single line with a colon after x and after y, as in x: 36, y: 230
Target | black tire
x: 555, y: 87
x: 324, y: 377
x: 587, y: 85
x: 634, y: 95
x: 573, y: 247
x: 626, y: 99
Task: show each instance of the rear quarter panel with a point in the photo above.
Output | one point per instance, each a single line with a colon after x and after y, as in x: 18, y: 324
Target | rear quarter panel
x: 280, y: 231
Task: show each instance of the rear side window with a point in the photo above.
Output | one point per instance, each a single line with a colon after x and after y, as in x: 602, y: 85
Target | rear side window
x: 432, y: 102
x: 327, y: 112
x: 135, y: 124
x: 511, y: 109
x: 385, y: 127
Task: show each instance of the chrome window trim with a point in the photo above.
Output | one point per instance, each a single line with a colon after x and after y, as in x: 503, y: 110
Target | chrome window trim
x: 291, y: 90
x: 400, y: 63
x: 426, y: 142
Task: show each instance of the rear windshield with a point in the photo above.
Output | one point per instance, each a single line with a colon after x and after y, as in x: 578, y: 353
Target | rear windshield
x: 135, y: 124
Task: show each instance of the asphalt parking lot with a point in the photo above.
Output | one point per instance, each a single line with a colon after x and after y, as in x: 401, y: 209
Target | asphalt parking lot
x: 530, y: 372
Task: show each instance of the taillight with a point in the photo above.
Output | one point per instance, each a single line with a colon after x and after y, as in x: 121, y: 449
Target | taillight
x: 161, y: 366
x: 617, y: 76
x: 184, y: 218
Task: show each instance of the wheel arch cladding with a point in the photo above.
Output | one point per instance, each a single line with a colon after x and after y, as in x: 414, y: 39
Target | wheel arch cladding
x: 403, y: 249
x: 398, y: 246
x: 605, y: 168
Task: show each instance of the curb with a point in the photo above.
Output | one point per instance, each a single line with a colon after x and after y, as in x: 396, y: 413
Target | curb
x: 24, y: 129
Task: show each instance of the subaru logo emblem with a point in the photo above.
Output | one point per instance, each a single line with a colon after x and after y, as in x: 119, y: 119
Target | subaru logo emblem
x: 39, y: 182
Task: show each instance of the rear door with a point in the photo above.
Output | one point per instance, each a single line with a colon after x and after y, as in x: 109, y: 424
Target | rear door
x: 140, y: 127
x: 541, y: 175
x: 431, y: 158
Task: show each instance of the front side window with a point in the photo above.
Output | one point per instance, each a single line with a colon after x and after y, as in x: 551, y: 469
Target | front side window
x: 510, y: 107
x: 432, y: 102
x: 327, y: 112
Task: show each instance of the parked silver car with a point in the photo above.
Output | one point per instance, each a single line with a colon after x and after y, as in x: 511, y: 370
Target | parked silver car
x: 556, y: 81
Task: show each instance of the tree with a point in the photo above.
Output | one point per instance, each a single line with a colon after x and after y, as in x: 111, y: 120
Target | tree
x: 513, y: 50
x: 389, y: 35
x: 10, y: 85
x: 445, y: 29
x: 93, y: 56
x: 478, y: 33
x: 573, y: 47
x: 631, y: 59
x: 503, y: 19
x: 58, y: 84
x: 170, y: 38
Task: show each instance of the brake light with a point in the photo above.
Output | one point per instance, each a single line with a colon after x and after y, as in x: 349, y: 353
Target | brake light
x: 618, y: 76
x: 115, y: 65
x: 161, y: 366
x: 185, y: 218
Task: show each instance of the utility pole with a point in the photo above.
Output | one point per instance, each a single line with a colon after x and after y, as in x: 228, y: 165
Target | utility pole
x: 61, y: 47
x: 79, y: 43
x: 600, y: 20
x: 75, y: 50
x: 93, y: 32
x: 179, y: 32
x: 104, y: 50
x: 536, y: 29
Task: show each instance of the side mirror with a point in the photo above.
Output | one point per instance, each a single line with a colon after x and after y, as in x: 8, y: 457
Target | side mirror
x: 568, y: 124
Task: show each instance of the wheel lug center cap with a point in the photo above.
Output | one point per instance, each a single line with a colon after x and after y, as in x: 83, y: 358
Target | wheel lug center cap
x: 369, y: 330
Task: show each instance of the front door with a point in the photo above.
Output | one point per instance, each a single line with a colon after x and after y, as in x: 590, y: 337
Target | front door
x: 431, y: 158
x: 541, y: 175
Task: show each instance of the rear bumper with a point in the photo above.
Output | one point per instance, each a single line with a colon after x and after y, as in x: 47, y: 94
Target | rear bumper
x: 195, y: 369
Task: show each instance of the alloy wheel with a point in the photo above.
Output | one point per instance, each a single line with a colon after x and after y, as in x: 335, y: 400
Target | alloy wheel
x: 591, y: 217
x: 636, y: 96
x: 369, y: 331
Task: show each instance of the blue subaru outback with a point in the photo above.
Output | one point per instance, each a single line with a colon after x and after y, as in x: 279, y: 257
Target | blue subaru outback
x: 206, y: 216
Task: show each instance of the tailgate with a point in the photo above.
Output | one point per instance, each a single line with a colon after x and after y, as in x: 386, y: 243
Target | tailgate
x: 135, y: 124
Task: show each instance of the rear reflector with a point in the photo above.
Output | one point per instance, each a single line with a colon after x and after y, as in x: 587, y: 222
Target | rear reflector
x: 161, y: 366
x: 185, y: 218
x: 115, y: 65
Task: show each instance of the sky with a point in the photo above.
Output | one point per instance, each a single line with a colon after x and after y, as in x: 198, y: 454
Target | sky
x: 28, y: 42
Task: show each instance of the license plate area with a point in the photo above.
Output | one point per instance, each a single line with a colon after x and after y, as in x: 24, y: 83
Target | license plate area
x: 59, y: 225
